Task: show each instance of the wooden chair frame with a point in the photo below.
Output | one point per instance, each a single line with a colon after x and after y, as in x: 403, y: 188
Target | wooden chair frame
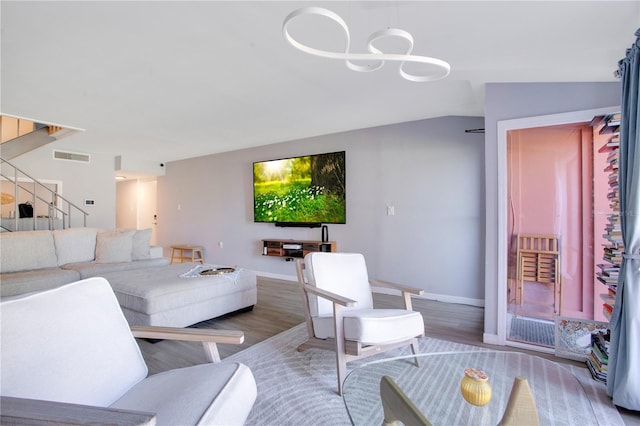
x: 30, y: 411
x: 538, y: 260
x: 347, y: 350
x: 398, y: 407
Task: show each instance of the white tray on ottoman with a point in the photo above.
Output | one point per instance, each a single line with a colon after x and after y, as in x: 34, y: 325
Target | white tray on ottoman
x: 162, y: 297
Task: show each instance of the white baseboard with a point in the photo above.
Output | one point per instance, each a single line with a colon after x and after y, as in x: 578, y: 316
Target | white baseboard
x: 429, y: 296
x: 437, y: 297
x: 281, y: 277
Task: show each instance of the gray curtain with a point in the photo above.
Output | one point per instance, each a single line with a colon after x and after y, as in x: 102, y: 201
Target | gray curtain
x: 623, y: 376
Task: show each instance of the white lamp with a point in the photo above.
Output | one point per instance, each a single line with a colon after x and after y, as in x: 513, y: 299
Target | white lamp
x: 442, y: 67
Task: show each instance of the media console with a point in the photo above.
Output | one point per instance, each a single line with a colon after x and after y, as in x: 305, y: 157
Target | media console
x: 295, y: 248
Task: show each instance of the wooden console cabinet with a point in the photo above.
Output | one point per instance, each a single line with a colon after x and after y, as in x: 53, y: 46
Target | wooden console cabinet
x: 295, y: 248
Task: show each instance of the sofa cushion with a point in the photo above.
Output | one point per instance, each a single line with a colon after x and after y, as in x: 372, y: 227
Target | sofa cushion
x: 155, y: 251
x: 14, y: 283
x: 153, y: 290
x: 75, y: 244
x: 114, y: 246
x: 92, y: 269
x: 215, y: 394
x: 95, y: 359
x: 25, y: 250
x: 141, y: 244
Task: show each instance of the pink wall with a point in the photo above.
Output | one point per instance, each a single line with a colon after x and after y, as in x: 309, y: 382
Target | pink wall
x: 549, y: 192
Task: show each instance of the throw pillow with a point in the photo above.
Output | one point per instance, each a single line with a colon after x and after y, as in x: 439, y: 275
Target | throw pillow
x: 75, y: 245
x: 141, y: 244
x: 114, y: 246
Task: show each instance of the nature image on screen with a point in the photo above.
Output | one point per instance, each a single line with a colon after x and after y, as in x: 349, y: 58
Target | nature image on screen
x: 309, y: 189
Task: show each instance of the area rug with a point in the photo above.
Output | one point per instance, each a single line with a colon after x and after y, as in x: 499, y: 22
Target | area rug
x: 299, y: 388
x: 532, y: 331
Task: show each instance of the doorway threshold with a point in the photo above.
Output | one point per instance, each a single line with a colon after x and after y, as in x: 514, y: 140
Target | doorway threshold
x: 534, y: 333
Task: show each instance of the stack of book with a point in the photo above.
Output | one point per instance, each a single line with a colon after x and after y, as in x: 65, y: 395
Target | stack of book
x: 599, y: 357
x: 613, y: 254
x: 614, y: 247
x: 608, y: 274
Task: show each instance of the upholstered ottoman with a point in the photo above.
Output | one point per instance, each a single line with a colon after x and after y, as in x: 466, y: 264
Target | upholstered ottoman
x: 164, y: 297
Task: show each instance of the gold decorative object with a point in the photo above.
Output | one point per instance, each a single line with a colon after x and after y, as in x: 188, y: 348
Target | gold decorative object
x: 7, y: 198
x: 217, y: 271
x: 475, y: 387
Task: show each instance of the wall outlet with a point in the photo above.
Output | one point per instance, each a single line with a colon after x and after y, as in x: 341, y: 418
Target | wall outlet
x: 220, y: 244
x: 391, y: 210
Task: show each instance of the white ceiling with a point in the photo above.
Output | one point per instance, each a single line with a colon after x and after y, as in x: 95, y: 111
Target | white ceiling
x: 172, y: 80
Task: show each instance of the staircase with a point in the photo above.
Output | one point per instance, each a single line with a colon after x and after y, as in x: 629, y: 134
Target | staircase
x: 28, y: 204
x: 50, y: 210
x: 19, y: 136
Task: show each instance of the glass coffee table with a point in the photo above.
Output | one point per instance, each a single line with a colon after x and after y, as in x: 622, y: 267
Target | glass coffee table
x: 434, y: 387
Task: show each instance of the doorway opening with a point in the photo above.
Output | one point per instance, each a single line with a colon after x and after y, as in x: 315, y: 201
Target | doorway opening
x: 549, y: 180
x: 550, y: 228
x: 136, y: 205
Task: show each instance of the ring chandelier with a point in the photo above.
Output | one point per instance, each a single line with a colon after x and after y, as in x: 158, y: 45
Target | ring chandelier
x: 379, y: 58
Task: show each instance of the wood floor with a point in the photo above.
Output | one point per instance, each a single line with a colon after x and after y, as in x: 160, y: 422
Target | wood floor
x: 279, y: 308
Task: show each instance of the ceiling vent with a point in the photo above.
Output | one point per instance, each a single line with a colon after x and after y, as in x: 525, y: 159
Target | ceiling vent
x: 71, y: 156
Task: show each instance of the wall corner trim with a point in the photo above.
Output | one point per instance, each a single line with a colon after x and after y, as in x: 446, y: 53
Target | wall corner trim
x: 491, y: 339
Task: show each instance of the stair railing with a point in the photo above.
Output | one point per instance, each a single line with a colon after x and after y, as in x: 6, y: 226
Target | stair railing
x: 54, y: 208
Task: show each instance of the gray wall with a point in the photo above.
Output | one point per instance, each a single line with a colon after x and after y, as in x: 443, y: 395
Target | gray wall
x: 505, y: 101
x: 80, y: 181
x: 430, y: 170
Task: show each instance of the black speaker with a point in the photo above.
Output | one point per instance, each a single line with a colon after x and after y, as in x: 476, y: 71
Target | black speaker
x: 325, y: 233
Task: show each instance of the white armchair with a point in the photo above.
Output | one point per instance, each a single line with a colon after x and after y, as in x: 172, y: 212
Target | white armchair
x: 70, y: 352
x: 338, y: 303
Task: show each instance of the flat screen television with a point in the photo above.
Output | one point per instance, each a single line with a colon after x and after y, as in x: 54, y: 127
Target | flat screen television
x: 300, y: 191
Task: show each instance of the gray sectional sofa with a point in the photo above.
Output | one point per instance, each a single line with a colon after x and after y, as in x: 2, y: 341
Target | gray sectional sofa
x: 38, y: 260
x: 165, y: 296
x: 149, y: 289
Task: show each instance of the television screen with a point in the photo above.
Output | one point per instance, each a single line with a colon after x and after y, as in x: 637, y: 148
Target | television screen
x: 300, y: 190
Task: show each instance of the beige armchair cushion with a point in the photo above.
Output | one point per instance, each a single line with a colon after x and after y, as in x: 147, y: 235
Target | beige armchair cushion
x: 373, y: 326
x: 69, y: 344
x: 345, y: 275
x: 209, y: 394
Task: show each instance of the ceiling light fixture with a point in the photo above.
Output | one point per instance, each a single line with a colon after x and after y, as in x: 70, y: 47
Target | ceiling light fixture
x: 442, y: 68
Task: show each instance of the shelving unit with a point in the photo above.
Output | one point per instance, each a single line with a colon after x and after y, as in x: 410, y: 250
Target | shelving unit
x: 295, y: 248
x: 614, y: 247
